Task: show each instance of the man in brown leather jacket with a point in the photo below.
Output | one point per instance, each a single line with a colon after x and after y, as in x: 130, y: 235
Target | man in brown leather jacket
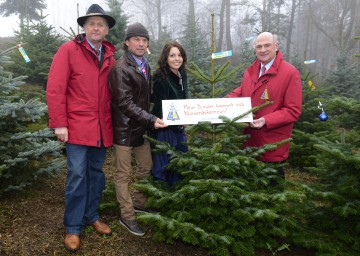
x: 130, y: 86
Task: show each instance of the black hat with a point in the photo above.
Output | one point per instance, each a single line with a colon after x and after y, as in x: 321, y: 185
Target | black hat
x: 96, y: 10
x: 136, y: 29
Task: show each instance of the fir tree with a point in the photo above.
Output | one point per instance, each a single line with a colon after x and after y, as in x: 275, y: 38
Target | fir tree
x: 26, y: 9
x: 40, y: 42
x: 156, y: 47
x: 302, y: 153
x: 117, y: 33
x: 345, y: 80
x: 212, y: 82
x: 198, y: 52
x: 241, y: 60
x: 224, y: 202
x: 328, y: 152
x: 343, y: 116
x: 24, y: 155
x: 333, y: 207
x: 347, y: 112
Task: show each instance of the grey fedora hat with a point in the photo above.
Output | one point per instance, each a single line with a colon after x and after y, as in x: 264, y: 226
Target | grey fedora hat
x: 96, y: 10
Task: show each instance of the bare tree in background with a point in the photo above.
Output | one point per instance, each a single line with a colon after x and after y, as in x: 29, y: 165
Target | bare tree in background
x: 294, y: 4
x: 221, y: 27
x: 158, y: 14
x: 265, y: 15
x: 337, y: 21
x: 224, y: 16
x: 151, y: 11
x: 192, y: 18
x: 308, y: 28
x: 228, y: 26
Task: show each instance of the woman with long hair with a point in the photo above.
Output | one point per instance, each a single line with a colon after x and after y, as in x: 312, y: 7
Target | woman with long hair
x: 169, y: 82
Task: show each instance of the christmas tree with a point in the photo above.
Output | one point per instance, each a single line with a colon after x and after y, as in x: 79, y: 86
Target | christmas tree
x: 315, y: 102
x: 41, y: 43
x: 329, y: 153
x: 325, y: 149
x: 333, y: 207
x: 25, y: 152
x: 225, y: 201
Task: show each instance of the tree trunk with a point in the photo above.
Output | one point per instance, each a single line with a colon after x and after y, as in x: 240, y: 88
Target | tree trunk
x: 307, y: 35
x: 290, y: 29
x: 159, y: 23
x: 192, y: 13
x: 221, y: 27
x: 263, y: 16
x: 228, y: 27
x: 268, y: 16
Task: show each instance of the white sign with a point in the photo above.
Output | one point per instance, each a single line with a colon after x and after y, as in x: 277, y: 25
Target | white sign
x: 192, y: 111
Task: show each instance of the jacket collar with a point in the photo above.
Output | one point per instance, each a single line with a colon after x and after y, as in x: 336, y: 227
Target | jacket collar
x: 107, y: 46
x: 255, y: 67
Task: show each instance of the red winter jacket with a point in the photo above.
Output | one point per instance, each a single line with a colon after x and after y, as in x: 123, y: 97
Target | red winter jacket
x: 283, y: 86
x: 78, y: 95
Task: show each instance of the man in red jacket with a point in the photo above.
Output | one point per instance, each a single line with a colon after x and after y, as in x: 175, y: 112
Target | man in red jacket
x: 78, y: 100
x: 270, y: 78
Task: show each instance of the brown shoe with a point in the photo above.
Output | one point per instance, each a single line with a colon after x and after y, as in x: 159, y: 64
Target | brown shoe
x: 101, y: 228
x: 72, y: 242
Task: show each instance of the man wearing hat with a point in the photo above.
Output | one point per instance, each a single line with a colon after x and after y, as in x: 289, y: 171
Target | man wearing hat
x: 130, y: 85
x: 78, y: 100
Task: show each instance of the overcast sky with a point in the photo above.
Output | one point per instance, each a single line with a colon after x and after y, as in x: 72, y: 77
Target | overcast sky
x: 61, y: 13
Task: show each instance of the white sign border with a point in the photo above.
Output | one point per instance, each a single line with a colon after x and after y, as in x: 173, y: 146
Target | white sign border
x: 192, y: 111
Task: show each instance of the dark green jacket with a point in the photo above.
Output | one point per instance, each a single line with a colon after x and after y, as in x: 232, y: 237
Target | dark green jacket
x: 167, y: 90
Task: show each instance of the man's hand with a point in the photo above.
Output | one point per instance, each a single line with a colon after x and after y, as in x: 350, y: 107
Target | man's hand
x: 61, y: 134
x: 159, y: 124
x: 258, y: 123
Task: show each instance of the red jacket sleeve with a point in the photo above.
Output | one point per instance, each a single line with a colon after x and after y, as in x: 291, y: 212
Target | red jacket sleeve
x: 56, y: 89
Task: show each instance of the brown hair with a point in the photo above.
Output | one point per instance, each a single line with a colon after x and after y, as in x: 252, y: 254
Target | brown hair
x: 163, y: 66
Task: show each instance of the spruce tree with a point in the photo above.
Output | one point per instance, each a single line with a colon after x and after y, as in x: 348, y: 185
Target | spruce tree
x: 345, y: 79
x: 40, y: 42
x: 25, y: 154
x: 117, y: 34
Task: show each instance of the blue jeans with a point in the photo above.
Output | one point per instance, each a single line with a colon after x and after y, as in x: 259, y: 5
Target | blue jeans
x: 85, y: 183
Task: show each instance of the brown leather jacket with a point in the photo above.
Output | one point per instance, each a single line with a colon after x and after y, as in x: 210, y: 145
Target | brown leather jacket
x: 130, y: 102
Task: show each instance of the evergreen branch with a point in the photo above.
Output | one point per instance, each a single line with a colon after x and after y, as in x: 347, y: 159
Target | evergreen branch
x: 221, y: 70
x: 253, y: 110
x: 5, y: 52
x: 183, y: 231
x: 229, y: 74
x: 149, y: 189
x: 198, y: 73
